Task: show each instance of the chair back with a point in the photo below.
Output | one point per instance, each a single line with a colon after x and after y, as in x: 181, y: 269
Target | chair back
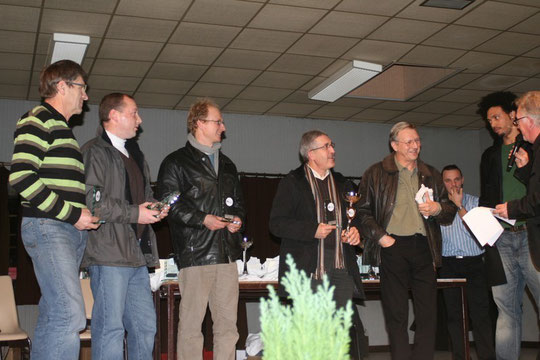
x: 9, y: 321
x: 88, y: 297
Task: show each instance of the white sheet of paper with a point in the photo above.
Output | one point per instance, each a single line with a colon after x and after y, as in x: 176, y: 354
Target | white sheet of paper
x: 483, y: 225
x: 510, y: 221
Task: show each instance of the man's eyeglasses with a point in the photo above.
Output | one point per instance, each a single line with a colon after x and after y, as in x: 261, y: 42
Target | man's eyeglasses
x: 325, y: 146
x: 409, y: 143
x: 516, y: 120
x: 84, y: 86
x: 218, y: 122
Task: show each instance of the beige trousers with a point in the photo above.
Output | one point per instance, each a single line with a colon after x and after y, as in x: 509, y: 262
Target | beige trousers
x: 217, y: 287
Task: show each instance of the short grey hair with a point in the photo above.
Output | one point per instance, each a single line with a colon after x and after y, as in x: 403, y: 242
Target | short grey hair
x: 306, y: 142
x: 530, y: 104
x: 397, y: 128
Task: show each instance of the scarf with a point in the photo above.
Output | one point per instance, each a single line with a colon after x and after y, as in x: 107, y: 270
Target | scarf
x: 214, y: 150
x: 319, y: 205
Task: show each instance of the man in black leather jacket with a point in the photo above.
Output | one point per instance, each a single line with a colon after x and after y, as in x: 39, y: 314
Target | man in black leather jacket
x: 204, y: 226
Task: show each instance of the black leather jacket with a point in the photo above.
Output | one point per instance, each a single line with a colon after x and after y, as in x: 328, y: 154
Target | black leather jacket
x: 378, y: 190
x: 190, y: 171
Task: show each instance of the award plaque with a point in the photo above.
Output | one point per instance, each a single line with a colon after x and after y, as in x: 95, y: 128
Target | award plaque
x: 166, y: 201
x: 95, y: 208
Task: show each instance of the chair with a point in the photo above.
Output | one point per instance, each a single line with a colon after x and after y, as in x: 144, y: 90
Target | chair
x: 85, y: 335
x: 10, y: 331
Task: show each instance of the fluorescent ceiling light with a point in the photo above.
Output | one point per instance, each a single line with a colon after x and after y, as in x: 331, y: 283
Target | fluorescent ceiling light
x: 69, y: 47
x: 345, y: 80
x: 447, y: 4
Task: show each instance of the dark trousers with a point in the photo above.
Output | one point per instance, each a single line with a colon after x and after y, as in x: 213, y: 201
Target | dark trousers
x: 408, y: 265
x: 471, y: 268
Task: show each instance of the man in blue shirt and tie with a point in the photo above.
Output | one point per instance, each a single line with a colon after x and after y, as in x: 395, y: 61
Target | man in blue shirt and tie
x: 462, y: 257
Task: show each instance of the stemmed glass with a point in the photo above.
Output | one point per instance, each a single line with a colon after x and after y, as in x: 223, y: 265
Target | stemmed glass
x: 245, y: 244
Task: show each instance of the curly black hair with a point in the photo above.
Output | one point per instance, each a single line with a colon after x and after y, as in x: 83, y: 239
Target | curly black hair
x: 504, y: 99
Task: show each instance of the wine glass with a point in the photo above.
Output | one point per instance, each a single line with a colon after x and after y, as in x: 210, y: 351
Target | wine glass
x: 245, y: 244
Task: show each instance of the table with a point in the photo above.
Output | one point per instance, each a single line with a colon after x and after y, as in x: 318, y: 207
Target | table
x: 254, y: 290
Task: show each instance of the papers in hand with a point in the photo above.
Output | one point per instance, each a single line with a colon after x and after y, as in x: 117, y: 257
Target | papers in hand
x: 484, y: 226
x: 420, y: 196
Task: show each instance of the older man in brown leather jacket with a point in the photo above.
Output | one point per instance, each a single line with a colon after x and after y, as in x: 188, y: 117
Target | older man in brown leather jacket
x: 404, y: 239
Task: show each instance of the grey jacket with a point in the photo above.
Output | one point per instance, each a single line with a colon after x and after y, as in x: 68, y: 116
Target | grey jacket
x: 115, y: 243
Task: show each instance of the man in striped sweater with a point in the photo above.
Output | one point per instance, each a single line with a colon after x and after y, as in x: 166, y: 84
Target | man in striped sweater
x: 47, y: 171
x: 463, y: 257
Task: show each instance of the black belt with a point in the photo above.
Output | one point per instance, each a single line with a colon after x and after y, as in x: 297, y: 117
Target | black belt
x: 460, y: 257
x: 518, y: 228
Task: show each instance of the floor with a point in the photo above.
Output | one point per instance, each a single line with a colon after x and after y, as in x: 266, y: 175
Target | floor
x: 526, y: 354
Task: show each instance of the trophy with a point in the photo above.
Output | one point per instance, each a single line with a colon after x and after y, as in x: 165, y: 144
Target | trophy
x: 167, y: 201
x: 245, y: 244
x: 95, y: 209
x: 229, y: 202
x: 351, y: 197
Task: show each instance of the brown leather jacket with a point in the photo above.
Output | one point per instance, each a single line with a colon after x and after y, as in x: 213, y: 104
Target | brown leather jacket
x: 378, y: 190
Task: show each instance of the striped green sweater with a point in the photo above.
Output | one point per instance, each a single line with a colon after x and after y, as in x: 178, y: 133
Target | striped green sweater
x: 47, y: 167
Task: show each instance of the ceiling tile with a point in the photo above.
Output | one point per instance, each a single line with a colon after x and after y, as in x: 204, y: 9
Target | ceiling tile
x: 13, y: 91
x: 189, y: 54
x: 348, y: 24
x: 356, y: 102
x: 36, y: 3
x: 379, y: 52
x: 120, y: 68
x: 468, y: 110
x: 521, y: 66
x: 229, y: 75
x: 18, y: 18
x: 301, y: 97
x: 376, y: 115
x: 528, y: 26
x: 280, y: 80
x: 20, y: 42
x: 134, y: 28
x: 73, y: 22
x: 167, y: 9
x: 14, y: 77
x: 156, y: 100
x: 479, y: 62
x: 511, y: 43
x: 292, y: 109
x: 465, y: 96
x: 405, y: 30
x: 440, y: 107
x: 387, y: 7
x: 532, y: 84
x: 95, y: 95
x: 461, y: 37
x: 494, y: 82
x: 247, y: 59
x: 431, y: 94
x: 496, y: 15
x: 300, y: 64
x: 263, y: 93
x: 322, y: 45
x: 458, y: 80
x: 127, y: 50
x: 187, y: 101
x: 533, y: 53
x: 15, y: 61
x: 248, y: 106
x: 416, y: 117
x: 114, y: 83
x: 217, y: 90
x: 223, y: 12
x: 314, y: 82
x: 162, y: 86
x: 40, y: 62
x: 176, y: 71
x: 204, y: 34
x: 454, y: 120
x: 286, y: 18
x: 321, y: 4
x: 100, y: 6
x: 334, y: 67
x: 429, y: 55
x: 478, y: 124
x: 265, y: 40
x: 335, y: 112
x: 415, y: 11
x: 399, y: 105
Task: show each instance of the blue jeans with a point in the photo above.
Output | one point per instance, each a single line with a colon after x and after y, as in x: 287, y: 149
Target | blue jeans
x: 56, y: 249
x: 519, y: 270
x: 122, y: 302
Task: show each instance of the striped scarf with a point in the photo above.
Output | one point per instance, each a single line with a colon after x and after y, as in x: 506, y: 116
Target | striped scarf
x: 319, y: 205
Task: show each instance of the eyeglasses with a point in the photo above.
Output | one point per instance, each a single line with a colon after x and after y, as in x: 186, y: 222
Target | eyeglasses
x: 409, y: 143
x: 84, y: 86
x: 325, y: 146
x: 218, y: 122
x: 516, y: 120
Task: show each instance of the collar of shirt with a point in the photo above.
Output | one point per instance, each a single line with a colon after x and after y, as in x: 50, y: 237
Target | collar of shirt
x: 118, y: 143
x: 403, y: 168
x: 316, y: 174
